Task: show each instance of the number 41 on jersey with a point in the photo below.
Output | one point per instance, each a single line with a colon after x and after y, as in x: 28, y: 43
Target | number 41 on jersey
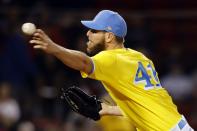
x: 147, y: 76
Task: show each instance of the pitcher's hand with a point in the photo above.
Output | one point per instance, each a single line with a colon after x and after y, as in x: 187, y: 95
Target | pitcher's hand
x: 41, y: 40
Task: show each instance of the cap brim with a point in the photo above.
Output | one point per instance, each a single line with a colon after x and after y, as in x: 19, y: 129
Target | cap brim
x: 91, y: 25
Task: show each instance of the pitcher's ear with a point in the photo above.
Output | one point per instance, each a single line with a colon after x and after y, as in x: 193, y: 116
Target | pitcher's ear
x: 109, y: 36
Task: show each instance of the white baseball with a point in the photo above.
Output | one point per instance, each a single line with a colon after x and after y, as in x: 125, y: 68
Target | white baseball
x: 28, y: 28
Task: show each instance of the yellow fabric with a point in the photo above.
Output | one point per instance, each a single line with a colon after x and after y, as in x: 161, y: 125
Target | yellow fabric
x: 122, y: 72
x: 115, y: 123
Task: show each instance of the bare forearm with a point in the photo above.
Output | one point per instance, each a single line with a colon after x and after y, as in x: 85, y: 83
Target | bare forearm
x: 115, y: 110
x: 74, y: 59
x: 110, y: 110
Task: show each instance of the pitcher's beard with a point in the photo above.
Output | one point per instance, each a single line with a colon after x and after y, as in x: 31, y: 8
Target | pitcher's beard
x: 96, y: 49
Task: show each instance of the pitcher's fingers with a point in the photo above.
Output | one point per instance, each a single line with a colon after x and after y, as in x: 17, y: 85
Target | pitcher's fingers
x: 41, y: 34
x: 38, y: 34
x: 37, y: 42
x: 39, y: 47
x: 36, y: 38
x: 40, y: 31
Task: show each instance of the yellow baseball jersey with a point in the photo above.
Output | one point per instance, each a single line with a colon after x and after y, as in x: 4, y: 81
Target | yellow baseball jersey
x: 115, y: 123
x: 131, y: 80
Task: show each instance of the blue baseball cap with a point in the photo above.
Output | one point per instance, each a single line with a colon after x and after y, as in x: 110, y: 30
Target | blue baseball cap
x: 109, y: 21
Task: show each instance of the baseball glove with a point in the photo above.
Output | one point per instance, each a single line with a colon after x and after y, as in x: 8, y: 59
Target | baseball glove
x: 82, y: 103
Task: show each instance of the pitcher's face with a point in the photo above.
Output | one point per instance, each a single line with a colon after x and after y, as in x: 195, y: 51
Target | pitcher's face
x: 96, y: 41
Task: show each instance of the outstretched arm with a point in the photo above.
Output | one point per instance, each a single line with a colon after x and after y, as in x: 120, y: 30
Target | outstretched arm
x: 74, y: 59
x: 110, y: 110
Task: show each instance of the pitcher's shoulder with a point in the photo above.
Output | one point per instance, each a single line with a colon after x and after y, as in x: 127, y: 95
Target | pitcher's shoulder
x: 137, y: 54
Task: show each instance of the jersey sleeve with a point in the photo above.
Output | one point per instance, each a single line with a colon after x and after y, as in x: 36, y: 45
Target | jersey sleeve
x: 103, y: 66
